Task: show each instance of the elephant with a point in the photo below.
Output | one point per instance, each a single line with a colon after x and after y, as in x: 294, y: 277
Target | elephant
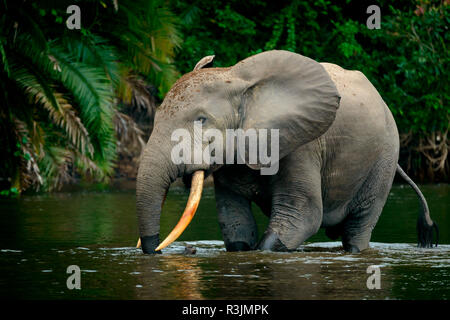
x: 338, y: 151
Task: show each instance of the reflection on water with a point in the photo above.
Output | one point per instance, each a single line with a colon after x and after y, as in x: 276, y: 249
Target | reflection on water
x: 316, y: 271
x: 40, y: 236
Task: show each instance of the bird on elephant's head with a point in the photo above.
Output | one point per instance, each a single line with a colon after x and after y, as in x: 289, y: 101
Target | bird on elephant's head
x: 336, y: 152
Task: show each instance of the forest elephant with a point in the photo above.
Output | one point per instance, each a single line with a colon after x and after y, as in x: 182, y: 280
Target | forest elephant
x: 337, y: 149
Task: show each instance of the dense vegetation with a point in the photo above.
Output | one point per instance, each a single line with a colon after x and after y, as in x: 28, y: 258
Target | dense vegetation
x: 73, y: 103
x: 66, y: 95
x: 406, y: 60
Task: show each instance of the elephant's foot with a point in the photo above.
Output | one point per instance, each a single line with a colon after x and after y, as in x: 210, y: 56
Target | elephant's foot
x: 271, y: 242
x: 351, y: 249
x: 356, y: 244
x: 238, y: 246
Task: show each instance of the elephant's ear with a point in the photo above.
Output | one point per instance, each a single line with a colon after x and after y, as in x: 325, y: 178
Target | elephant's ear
x: 289, y: 92
x: 205, y: 62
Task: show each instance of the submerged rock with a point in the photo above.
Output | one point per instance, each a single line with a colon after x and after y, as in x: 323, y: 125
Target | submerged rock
x: 189, y: 249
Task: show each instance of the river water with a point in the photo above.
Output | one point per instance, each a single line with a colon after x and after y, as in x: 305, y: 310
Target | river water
x: 41, y: 235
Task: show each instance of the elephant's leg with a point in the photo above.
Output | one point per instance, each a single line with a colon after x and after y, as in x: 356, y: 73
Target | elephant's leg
x: 293, y: 221
x: 358, y: 226
x: 296, y: 204
x: 367, y: 206
x: 236, y: 220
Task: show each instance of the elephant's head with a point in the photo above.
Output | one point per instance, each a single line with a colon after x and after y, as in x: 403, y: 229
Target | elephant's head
x: 271, y: 90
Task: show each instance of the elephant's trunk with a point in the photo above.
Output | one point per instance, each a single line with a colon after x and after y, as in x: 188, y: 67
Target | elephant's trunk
x: 154, y: 178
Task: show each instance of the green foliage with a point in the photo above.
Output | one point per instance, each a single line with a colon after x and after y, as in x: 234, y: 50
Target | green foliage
x: 234, y: 30
x: 9, y: 192
x: 63, y: 93
x: 406, y: 60
x: 416, y: 85
x: 231, y: 21
x: 60, y: 89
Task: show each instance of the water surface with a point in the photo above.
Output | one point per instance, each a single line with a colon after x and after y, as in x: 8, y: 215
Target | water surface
x: 41, y: 235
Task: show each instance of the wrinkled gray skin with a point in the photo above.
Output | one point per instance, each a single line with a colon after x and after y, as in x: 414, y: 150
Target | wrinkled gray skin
x: 339, y: 148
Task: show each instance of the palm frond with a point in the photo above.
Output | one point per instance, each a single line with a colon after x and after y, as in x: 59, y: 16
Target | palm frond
x: 94, y: 94
x: 94, y: 50
x: 61, y: 112
x: 138, y: 93
x: 55, y: 166
x: 129, y: 136
x: 68, y: 119
x: 4, y: 58
x: 28, y: 169
x: 62, y: 90
x: 149, y: 40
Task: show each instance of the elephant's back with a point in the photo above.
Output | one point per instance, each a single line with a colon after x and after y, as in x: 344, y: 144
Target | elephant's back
x: 361, y: 104
x: 363, y: 116
x: 363, y: 133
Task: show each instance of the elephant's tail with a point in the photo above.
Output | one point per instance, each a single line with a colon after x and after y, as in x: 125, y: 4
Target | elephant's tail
x: 425, y: 225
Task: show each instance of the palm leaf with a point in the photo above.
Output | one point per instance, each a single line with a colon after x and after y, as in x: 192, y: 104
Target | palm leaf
x: 94, y: 94
x: 94, y: 50
x: 28, y: 172
x: 148, y: 40
x: 60, y: 111
x: 130, y: 137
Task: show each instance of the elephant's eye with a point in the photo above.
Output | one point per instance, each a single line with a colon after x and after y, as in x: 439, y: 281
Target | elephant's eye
x: 202, y: 119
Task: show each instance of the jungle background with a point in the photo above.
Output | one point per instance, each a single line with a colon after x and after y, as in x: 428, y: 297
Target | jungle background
x: 78, y: 105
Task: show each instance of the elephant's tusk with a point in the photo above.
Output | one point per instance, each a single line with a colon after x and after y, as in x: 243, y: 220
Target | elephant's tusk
x: 138, y: 245
x: 189, y: 211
